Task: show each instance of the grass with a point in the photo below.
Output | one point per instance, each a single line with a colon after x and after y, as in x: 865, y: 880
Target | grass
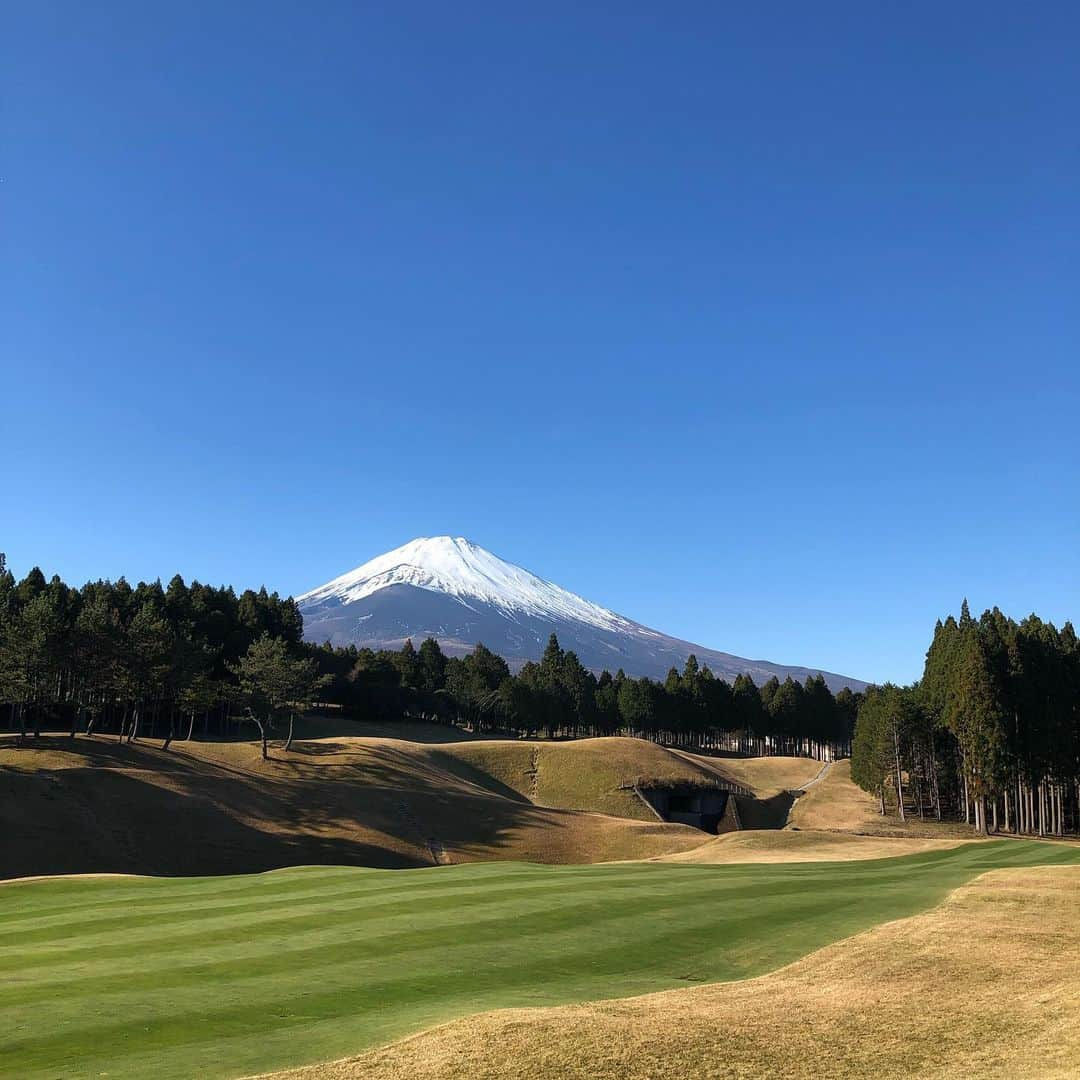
x: 984, y: 985
x: 218, y: 977
x: 594, y: 775
x: 785, y: 846
x: 836, y: 804
x: 766, y: 776
x: 93, y: 805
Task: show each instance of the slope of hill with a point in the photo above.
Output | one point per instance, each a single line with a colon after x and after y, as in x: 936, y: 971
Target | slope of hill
x: 453, y: 590
x: 93, y: 805
x: 785, y: 846
x: 377, y: 799
x: 836, y: 804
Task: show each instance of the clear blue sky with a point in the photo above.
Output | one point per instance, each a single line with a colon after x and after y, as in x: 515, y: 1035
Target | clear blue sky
x: 758, y: 323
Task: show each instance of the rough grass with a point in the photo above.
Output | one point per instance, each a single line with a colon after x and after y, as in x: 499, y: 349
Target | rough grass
x: 388, y: 798
x: 783, y: 846
x: 586, y: 774
x: 224, y: 976
x: 765, y: 776
x: 215, y: 807
x: 985, y: 985
x: 837, y: 804
x: 596, y: 774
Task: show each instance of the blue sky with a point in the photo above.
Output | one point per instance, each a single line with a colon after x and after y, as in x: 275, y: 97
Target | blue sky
x: 757, y: 323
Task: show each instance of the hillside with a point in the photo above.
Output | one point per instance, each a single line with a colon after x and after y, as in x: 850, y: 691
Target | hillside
x: 597, y: 774
x: 94, y: 805
x: 398, y: 795
x: 785, y: 846
x: 836, y: 804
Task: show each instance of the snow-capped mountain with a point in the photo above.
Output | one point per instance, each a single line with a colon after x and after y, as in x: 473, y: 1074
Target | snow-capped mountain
x: 451, y: 589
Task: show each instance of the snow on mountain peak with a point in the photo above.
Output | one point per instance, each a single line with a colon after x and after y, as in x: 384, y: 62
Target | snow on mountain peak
x: 459, y: 568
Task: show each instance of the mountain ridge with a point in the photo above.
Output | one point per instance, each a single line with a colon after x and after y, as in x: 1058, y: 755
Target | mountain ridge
x: 458, y: 592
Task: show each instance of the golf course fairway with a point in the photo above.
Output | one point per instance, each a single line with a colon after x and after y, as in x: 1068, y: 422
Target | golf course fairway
x: 226, y: 976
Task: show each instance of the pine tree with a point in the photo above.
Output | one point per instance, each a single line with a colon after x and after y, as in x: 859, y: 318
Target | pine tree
x: 275, y: 684
x: 409, y: 666
x: 432, y: 673
x: 974, y: 714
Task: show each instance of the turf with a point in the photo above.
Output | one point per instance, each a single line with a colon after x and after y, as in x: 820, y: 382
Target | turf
x: 219, y: 977
x: 919, y: 998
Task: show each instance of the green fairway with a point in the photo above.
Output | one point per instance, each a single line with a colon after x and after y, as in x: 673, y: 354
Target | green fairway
x: 224, y: 976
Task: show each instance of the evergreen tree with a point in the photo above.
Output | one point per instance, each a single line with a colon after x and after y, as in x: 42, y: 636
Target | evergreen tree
x: 275, y: 684
x: 432, y: 666
x: 409, y: 666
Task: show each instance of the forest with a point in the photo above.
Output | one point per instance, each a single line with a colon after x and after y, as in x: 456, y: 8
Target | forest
x: 198, y: 661
x: 989, y: 735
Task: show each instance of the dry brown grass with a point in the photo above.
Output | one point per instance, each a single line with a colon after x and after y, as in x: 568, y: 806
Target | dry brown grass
x: 987, y: 985
x: 215, y: 807
x: 836, y: 804
x: 587, y: 774
x: 94, y: 805
x: 765, y: 776
x: 780, y: 846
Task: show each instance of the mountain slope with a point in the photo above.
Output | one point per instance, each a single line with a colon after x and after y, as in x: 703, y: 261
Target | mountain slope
x: 451, y: 589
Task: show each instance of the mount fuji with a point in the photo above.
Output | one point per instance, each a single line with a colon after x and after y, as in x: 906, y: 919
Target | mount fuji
x: 450, y: 589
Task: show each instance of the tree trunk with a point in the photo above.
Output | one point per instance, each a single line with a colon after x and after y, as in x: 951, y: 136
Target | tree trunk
x: 133, y: 734
x: 172, y: 731
x: 191, y: 725
x: 288, y: 741
x: 899, y: 777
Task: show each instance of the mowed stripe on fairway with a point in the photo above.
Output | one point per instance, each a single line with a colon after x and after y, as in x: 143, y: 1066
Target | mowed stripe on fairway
x: 222, y: 976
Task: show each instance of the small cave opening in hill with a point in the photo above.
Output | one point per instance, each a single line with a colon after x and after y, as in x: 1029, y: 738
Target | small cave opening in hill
x: 710, y: 807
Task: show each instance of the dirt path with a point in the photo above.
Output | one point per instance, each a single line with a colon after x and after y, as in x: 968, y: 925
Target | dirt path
x: 822, y: 773
x: 435, y: 847
x: 534, y: 774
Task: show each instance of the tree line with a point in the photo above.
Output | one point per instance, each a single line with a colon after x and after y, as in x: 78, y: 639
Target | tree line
x: 147, y: 660
x: 184, y: 661
x: 990, y: 734
x: 559, y: 697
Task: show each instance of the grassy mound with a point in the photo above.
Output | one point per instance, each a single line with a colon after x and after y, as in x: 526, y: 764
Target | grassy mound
x: 766, y: 776
x: 93, y: 805
x: 984, y: 985
x: 587, y: 774
x: 837, y: 804
x: 397, y: 796
x: 218, y: 977
x: 783, y: 846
